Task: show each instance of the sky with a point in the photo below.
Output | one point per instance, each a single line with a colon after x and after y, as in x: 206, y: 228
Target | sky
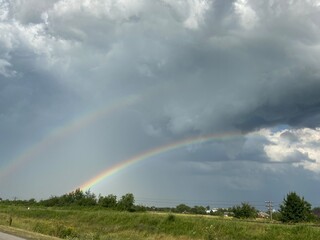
x: 88, y: 85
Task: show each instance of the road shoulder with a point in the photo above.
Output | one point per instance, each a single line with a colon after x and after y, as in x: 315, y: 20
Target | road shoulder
x: 21, y: 234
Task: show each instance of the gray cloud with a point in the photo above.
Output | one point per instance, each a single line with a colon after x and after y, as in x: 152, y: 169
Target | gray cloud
x: 289, y: 136
x: 196, y: 67
x: 28, y: 12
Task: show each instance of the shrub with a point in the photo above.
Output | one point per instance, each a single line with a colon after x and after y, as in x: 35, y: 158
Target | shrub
x: 171, y: 218
x: 244, y: 211
x: 126, y: 202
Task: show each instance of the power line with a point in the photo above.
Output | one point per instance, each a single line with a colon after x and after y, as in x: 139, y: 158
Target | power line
x: 213, y: 203
x: 269, y: 206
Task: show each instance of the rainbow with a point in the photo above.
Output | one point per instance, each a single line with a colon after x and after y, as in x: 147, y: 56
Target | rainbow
x: 72, y: 126
x: 153, y: 152
x: 61, y: 132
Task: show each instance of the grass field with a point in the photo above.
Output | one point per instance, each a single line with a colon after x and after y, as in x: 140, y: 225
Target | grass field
x: 95, y: 224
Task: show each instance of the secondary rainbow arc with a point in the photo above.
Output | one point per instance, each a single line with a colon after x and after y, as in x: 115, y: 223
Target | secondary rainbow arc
x: 61, y: 132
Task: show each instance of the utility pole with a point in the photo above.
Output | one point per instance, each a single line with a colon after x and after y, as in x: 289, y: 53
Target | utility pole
x: 269, y: 206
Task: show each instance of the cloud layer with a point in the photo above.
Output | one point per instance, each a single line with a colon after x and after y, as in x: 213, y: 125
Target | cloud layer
x: 195, y: 67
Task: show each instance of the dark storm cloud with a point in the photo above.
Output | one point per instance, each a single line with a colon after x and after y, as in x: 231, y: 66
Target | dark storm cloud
x: 290, y: 99
x: 232, y: 64
x: 238, y: 64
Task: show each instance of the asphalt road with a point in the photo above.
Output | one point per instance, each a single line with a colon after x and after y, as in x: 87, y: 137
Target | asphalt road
x: 5, y: 236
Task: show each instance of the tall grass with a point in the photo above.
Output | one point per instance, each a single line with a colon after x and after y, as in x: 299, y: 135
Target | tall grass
x: 100, y: 224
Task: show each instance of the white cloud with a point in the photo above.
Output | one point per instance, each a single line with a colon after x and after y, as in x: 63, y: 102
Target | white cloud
x: 4, y: 10
x: 248, y: 17
x: 18, y: 41
x: 299, y: 147
x: 191, y: 12
x: 114, y: 10
x: 7, y: 38
x: 196, y: 13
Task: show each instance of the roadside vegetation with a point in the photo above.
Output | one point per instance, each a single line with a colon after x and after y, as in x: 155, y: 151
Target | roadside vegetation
x: 75, y: 216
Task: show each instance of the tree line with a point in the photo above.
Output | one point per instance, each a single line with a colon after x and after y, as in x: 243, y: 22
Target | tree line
x: 89, y: 199
x: 79, y: 198
x: 293, y: 208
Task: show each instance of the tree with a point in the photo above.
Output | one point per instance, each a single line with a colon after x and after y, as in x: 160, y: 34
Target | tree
x: 244, y: 211
x: 74, y: 198
x: 183, y: 208
x: 52, y: 201
x: 295, y: 209
x: 126, y: 202
x: 316, y: 212
x: 89, y: 199
x: 198, y: 210
x: 109, y: 201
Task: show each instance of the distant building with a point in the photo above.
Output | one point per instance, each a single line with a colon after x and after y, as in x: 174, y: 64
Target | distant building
x: 213, y: 210
x: 228, y: 214
x: 263, y: 215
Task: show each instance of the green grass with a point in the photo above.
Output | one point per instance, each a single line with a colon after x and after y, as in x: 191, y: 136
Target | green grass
x: 100, y: 224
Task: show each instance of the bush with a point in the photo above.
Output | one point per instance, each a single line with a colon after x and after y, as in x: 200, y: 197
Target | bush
x: 126, y: 202
x: 62, y: 231
x: 244, y: 211
x: 109, y: 201
x: 139, y: 208
x: 171, y: 218
x: 183, y: 208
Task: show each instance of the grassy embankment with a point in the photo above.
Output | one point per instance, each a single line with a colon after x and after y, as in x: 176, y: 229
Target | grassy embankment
x: 105, y: 224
